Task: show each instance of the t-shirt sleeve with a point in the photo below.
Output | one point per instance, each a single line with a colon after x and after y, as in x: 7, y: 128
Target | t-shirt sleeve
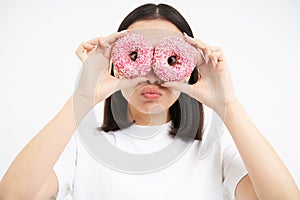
x: 65, y: 168
x: 233, y: 167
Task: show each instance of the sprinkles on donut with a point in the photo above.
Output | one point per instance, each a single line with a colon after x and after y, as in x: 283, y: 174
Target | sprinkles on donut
x: 132, y: 55
x: 174, y: 59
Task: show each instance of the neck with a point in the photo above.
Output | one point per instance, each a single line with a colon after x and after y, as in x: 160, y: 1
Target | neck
x: 148, y: 119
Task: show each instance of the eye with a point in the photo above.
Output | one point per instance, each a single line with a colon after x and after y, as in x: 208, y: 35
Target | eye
x: 133, y: 55
x: 172, y: 60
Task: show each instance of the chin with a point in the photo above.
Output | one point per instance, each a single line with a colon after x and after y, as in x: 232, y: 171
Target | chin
x: 152, y: 108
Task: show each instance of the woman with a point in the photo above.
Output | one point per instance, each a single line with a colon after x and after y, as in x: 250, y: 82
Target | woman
x: 36, y: 173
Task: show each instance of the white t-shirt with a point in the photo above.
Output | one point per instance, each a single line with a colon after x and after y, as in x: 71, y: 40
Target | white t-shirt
x: 208, y: 170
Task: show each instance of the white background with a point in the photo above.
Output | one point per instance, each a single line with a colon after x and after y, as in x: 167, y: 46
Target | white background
x: 38, y: 67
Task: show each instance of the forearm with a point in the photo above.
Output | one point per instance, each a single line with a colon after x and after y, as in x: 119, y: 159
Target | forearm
x: 269, y: 176
x: 33, y: 164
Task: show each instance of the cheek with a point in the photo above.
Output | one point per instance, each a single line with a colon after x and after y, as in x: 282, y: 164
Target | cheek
x: 128, y: 94
x: 170, y: 98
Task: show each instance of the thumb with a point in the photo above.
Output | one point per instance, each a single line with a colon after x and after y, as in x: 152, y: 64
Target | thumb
x: 180, y: 86
x: 126, y: 83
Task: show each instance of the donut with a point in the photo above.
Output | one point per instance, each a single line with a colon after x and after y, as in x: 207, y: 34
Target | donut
x: 174, y: 59
x: 132, y: 55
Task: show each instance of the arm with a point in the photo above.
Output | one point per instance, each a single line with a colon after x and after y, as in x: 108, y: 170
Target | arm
x: 31, y: 176
x: 269, y: 176
x: 34, y: 163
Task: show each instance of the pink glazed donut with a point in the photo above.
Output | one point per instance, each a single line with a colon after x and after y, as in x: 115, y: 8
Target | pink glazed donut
x: 132, y: 55
x: 174, y: 59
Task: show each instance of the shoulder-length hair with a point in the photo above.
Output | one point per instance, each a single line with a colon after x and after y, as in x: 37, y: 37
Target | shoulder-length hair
x: 113, y: 123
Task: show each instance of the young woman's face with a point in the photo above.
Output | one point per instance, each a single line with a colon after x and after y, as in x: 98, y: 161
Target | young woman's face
x: 151, y: 98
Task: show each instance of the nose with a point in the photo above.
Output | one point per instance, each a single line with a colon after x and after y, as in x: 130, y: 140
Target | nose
x: 153, y: 78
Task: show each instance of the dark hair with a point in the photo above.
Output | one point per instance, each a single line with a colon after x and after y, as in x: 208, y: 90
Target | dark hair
x: 149, y: 12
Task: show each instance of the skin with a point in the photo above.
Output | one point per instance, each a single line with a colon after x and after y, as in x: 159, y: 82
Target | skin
x: 145, y: 111
x: 214, y: 89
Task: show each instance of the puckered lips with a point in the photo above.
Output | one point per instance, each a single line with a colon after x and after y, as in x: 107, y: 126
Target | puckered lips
x: 151, y: 92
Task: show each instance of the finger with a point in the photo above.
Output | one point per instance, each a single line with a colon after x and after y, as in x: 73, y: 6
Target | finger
x: 127, y: 83
x: 80, y: 48
x: 217, y: 49
x: 113, y: 37
x: 88, y: 46
x: 212, y: 54
x: 221, y: 57
x: 80, y: 52
x: 207, y: 50
x: 195, y: 42
x: 180, y: 86
x: 206, y: 56
x: 217, y: 57
x: 98, y: 41
x: 102, y: 47
x: 103, y: 43
x: 199, y: 52
x: 214, y: 59
x: 94, y: 41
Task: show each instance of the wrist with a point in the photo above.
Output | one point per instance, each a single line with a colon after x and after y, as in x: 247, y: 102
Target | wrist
x: 223, y: 109
x: 81, y: 105
x: 233, y: 110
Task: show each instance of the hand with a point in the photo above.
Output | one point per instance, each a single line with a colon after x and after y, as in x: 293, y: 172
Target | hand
x: 95, y: 81
x: 214, y: 86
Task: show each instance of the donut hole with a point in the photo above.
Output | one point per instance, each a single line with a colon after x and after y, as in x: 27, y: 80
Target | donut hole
x: 172, y: 60
x: 133, y: 55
